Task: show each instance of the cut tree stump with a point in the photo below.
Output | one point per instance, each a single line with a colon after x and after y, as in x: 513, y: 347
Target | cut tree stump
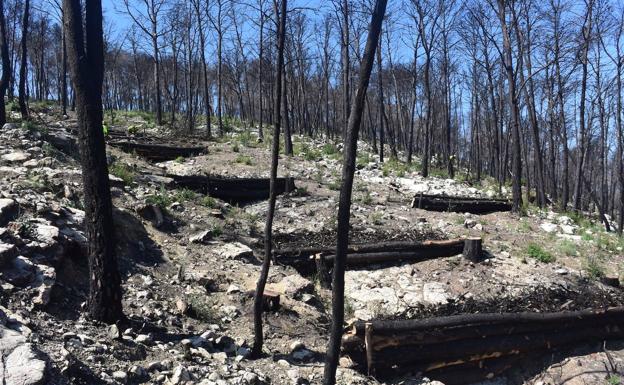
x: 157, y: 152
x: 443, y: 347
x: 237, y: 190
x: 473, y: 249
x: 460, y: 204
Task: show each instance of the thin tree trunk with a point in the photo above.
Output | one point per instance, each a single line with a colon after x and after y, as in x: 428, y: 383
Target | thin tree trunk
x: 344, y: 207
x: 6, y: 64
x: 24, y: 62
x: 268, y: 230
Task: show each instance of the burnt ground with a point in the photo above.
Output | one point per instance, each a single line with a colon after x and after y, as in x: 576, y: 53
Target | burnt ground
x: 188, y: 302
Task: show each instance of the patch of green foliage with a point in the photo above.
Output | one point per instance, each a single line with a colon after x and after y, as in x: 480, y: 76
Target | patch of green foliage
x: 161, y: 198
x: 208, y: 201
x: 537, y: 252
x: 179, y: 159
x: 184, y: 195
x: 122, y: 171
x: 244, y: 159
x: 568, y: 248
x: 594, y: 268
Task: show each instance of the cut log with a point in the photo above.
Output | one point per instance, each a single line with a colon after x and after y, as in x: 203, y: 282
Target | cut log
x: 322, y: 271
x: 451, y: 246
x: 460, y: 204
x: 157, y: 152
x: 473, y: 341
x: 233, y: 189
x: 473, y: 249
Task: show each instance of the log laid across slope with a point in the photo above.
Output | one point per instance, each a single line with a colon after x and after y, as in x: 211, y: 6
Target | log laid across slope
x: 376, y: 253
x: 158, y: 152
x: 460, y: 204
x: 233, y: 189
x: 469, y: 343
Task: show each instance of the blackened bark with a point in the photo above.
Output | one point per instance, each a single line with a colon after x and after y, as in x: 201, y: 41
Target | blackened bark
x: 23, y: 62
x: 86, y: 60
x: 6, y: 64
x: 268, y: 229
x: 344, y: 207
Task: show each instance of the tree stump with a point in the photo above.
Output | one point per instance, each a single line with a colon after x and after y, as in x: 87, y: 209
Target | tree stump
x: 322, y: 272
x: 473, y: 249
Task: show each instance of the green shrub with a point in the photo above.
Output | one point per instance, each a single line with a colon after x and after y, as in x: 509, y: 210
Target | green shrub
x: 594, y: 268
x: 161, y: 198
x: 184, y: 195
x: 208, y: 201
x: 123, y: 172
x: 537, y: 252
x: 568, y: 248
x: 244, y: 159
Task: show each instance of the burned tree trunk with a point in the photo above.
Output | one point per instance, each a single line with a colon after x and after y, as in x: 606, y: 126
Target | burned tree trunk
x: 460, y: 204
x: 344, y: 207
x: 86, y: 58
x: 24, y: 62
x: 6, y: 64
x: 280, y: 12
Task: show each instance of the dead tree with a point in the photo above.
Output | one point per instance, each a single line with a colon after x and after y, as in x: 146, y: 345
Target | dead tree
x: 86, y: 58
x: 202, y: 48
x: 280, y: 13
x: 6, y: 64
x: 24, y: 62
x: 344, y: 207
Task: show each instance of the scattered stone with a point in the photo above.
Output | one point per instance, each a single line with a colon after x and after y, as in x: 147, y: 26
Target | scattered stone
x: 20, y: 364
x: 548, y: 227
x: 201, y: 237
x: 113, y: 332
x: 17, y: 156
x: 180, y: 375
x: 8, y: 211
x: 120, y: 376
x: 234, y: 250
x: 7, y: 253
x: 294, y: 286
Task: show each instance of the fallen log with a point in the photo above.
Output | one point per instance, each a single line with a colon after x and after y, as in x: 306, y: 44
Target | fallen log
x: 435, y: 346
x: 157, y: 152
x: 460, y: 204
x: 452, y: 245
x: 233, y: 189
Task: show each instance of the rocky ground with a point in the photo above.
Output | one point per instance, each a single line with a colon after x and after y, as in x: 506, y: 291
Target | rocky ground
x: 187, y: 276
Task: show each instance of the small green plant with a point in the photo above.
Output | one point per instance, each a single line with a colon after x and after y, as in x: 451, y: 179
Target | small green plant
x: 537, y: 252
x: 594, y: 268
x: 376, y: 217
x: 244, y: 159
x: 184, y: 195
x: 301, y: 191
x: 122, y: 171
x: 235, y: 147
x: 366, y: 198
x: 334, y: 185
x: 568, y: 248
x: 179, y: 159
x: 525, y: 226
x: 201, y: 308
x: 217, y: 230
x: 208, y: 201
x: 614, y: 379
x: 161, y: 198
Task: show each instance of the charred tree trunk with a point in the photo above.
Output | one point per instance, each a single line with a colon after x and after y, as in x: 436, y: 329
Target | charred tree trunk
x: 268, y: 230
x: 86, y: 58
x: 24, y: 62
x: 344, y: 208
x: 6, y: 64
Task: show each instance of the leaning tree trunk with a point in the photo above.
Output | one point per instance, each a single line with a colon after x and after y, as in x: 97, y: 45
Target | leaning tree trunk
x: 23, y: 62
x: 344, y: 207
x: 86, y: 60
x: 268, y: 230
x: 6, y: 65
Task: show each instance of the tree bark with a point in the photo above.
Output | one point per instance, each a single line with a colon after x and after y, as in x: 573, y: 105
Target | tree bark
x: 344, y: 207
x: 6, y: 64
x: 86, y: 58
x: 24, y: 62
x: 268, y: 230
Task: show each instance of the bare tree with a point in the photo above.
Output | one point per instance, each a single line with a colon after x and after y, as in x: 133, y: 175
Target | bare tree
x: 344, y: 206
x: 86, y: 58
x: 280, y: 13
x: 24, y: 62
x: 6, y: 64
